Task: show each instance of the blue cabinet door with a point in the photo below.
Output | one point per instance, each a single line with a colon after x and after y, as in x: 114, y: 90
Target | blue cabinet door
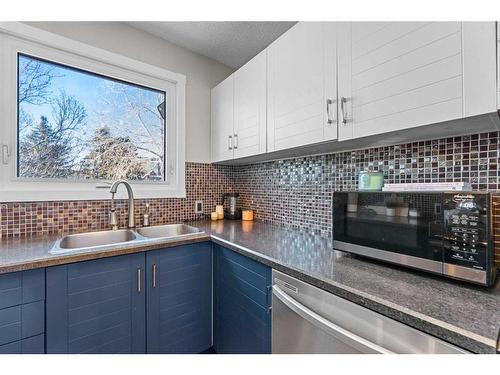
x: 179, y: 299
x: 22, y: 312
x: 242, y: 306
x: 19, y: 288
x: 97, y: 306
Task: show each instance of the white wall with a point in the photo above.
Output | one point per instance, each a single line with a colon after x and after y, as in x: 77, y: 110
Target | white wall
x: 202, y: 73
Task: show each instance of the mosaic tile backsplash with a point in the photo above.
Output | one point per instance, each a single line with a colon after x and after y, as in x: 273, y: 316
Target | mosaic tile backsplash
x: 294, y: 192
x: 297, y: 192
x: 203, y: 182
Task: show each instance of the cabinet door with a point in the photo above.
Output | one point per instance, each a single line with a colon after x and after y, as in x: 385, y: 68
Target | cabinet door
x: 399, y: 75
x: 479, y: 67
x: 301, y: 83
x: 22, y: 287
x: 242, y: 306
x: 179, y: 302
x: 97, y: 306
x: 222, y: 120
x: 21, y: 321
x: 22, y: 312
x: 250, y: 107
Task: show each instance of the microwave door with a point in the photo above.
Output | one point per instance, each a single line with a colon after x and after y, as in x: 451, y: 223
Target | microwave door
x: 372, y: 223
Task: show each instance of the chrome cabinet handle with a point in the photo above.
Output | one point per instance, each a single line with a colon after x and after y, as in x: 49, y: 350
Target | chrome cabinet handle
x: 327, y: 326
x: 329, y: 118
x: 154, y: 275
x: 342, y: 112
x: 235, y: 141
x: 139, y: 289
x: 229, y: 142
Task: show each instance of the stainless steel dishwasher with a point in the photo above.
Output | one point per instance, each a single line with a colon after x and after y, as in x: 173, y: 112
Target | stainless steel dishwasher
x: 307, y: 319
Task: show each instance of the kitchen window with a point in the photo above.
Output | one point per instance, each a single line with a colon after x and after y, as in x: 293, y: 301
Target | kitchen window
x: 74, y: 122
x: 77, y: 125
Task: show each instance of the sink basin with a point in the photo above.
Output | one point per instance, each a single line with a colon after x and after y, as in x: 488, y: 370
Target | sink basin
x: 94, y: 239
x: 110, y: 238
x: 171, y: 230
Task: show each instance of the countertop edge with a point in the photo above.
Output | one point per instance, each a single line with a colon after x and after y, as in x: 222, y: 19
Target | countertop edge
x: 81, y: 256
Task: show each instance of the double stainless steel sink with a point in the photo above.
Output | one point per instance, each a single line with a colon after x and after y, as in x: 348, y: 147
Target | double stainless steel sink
x: 114, y: 238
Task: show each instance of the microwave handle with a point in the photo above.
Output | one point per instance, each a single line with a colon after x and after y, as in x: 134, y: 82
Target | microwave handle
x: 342, y: 334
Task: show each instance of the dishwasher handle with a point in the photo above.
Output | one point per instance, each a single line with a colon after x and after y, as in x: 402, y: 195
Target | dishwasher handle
x: 342, y: 334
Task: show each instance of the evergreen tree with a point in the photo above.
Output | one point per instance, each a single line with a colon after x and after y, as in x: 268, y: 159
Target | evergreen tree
x: 45, y: 153
x: 112, y: 158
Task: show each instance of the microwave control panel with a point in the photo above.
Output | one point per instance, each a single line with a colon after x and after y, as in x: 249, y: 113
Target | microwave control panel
x: 466, y: 230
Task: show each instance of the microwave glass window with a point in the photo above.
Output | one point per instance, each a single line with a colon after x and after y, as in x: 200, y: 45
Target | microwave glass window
x: 409, y: 224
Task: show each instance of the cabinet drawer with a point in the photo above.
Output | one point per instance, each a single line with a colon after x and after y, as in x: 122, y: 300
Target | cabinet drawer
x: 22, y: 321
x: 22, y: 287
x: 31, y: 345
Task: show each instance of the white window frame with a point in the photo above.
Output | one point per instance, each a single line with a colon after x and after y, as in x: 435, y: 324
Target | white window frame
x: 19, y: 38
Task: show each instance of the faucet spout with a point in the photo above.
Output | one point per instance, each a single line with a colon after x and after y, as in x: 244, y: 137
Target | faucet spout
x: 112, y: 190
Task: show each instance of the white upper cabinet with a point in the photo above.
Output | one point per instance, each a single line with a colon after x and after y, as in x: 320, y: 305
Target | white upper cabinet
x: 250, y: 107
x: 324, y: 81
x: 479, y: 67
x: 399, y: 75
x: 302, y: 87
x: 222, y: 120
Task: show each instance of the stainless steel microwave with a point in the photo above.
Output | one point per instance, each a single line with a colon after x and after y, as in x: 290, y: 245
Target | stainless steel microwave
x: 447, y: 233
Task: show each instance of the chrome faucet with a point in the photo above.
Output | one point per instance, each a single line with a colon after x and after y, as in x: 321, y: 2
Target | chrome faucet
x: 113, y: 219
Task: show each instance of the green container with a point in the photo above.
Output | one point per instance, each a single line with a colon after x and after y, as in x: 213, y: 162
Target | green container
x: 370, y: 181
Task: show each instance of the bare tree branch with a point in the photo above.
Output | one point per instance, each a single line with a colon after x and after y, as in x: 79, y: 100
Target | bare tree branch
x: 35, y: 78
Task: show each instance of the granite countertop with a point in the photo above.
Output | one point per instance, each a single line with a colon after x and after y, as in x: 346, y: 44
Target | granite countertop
x: 460, y: 313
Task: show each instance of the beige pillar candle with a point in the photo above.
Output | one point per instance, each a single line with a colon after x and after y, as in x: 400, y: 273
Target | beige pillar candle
x: 247, y: 215
x: 214, y: 216
x: 220, y: 211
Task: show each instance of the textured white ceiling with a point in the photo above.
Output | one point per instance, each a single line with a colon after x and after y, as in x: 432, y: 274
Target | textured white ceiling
x: 231, y: 43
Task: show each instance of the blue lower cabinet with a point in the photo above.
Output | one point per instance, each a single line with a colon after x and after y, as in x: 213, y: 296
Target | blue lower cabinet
x: 179, y: 299
x: 21, y: 321
x: 162, y: 301
x: 18, y: 288
x: 97, y: 306
x: 242, y: 305
x: 22, y: 312
x: 31, y: 345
